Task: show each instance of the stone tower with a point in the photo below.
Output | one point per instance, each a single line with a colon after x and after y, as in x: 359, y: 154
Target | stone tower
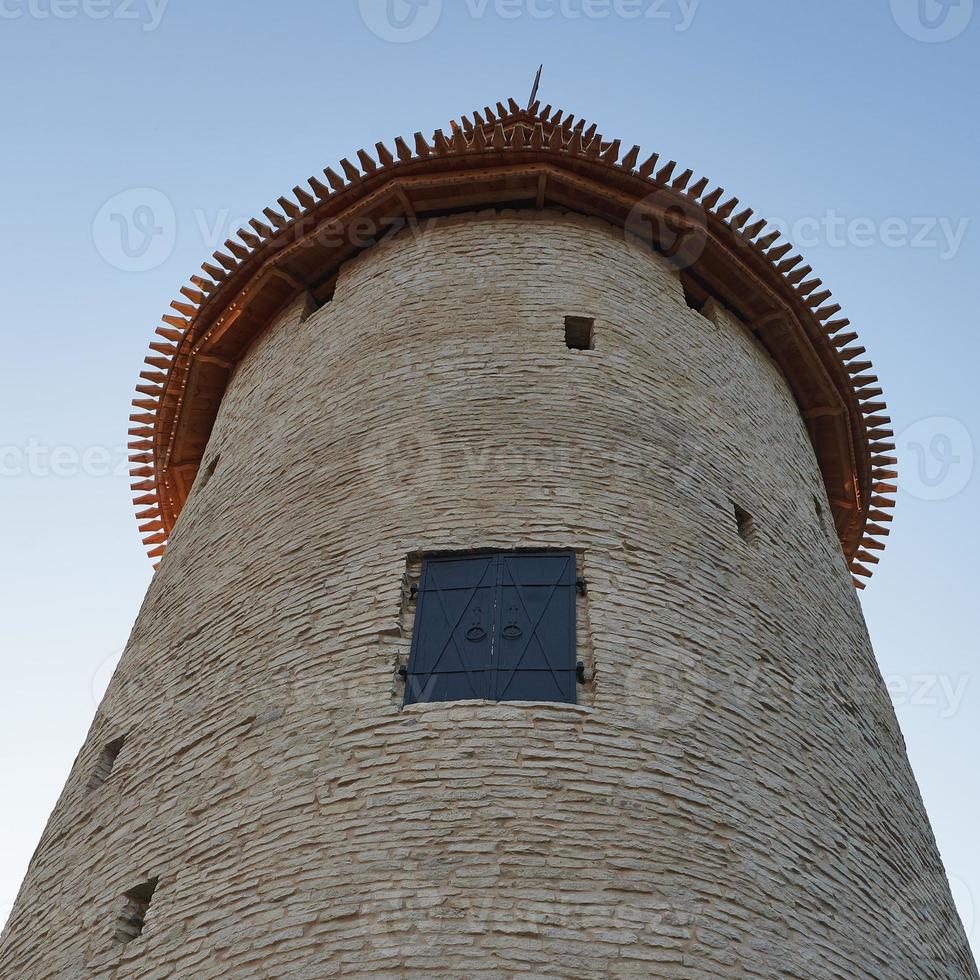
x: 514, y: 489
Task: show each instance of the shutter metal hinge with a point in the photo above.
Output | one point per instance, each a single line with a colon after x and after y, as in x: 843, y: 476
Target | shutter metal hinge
x: 581, y: 586
x: 403, y: 672
x: 413, y: 593
x: 580, y: 672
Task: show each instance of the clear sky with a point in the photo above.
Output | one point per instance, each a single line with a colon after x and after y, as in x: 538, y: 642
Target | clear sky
x: 854, y: 125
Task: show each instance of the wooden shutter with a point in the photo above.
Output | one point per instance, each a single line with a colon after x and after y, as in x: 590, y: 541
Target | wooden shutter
x: 498, y: 627
x: 450, y: 658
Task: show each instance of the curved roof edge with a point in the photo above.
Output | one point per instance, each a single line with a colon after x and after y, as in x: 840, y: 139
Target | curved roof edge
x: 512, y: 157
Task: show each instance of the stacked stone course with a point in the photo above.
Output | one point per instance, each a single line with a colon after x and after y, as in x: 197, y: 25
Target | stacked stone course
x: 731, y: 797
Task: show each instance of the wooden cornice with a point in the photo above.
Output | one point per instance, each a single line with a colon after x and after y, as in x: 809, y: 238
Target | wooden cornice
x: 514, y: 158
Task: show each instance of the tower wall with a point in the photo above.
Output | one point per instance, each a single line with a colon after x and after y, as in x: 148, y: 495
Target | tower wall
x: 731, y: 796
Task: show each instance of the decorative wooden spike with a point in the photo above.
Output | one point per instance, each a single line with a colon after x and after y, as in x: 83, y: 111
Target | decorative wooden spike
x: 727, y: 208
x: 196, y: 297
x: 817, y: 298
x: 713, y: 198
x: 143, y: 485
x: 556, y: 119
x: 858, y: 569
x: 866, y: 558
x: 537, y: 137
x: 183, y: 308
x: 290, y: 209
x: 513, y: 106
x: 545, y: 112
x: 157, y: 553
x: 865, y: 393
x: 834, y: 325
x: 788, y: 264
x: 534, y: 107
x: 878, y: 531
x: 141, y: 445
x: 278, y: 221
x: 489, y: 113
x: 885, y: 460
x: 779, y: 251
x: 366, y: 161
x: 334, y: 179
x: 237, y: 249
x: 856, y: 367
x: 826, y: 312
x: 161, y: 363
x: 629, y: 161
x: 319, y: 188
x: 467, y: 125
x: 306, y: 200
x: 858, y: 585
x: 170, y: 334
x: 143, y: 430
x: 141, y: 471
x: 699, y: 188
x: 588, y: 134
x: 148, y: 498
x: 680, y: 183
x: 647, y: 167
x: 151, y: 514
x: 867, y: 379
x: 253, y: 241
x: 384, y: 155
x: 873, y: 543
x: 440, y: 145
x: 403, y: 150
x: 842, y: 340
x: 767, y: 240
x: 880, y: 516
x: 883, y: 474
x: 479, y: 139
x: 160, y: 538
x: 146, y: 418
x: 502, y: 110
x: 666, y: 172
x: 849, y: 353
x: 350, y: 171
x: 612, y: 154
x: 216, y: 273
x: 882, y: 502
x: 875, y: 421
x: 753, y: 230
x: 205, y: 285
x: 178, y: 323
x: 262, y: 229
x: 741, y: 218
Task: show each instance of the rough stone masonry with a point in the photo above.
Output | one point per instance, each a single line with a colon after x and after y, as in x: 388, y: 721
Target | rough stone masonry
x: 731, y: 796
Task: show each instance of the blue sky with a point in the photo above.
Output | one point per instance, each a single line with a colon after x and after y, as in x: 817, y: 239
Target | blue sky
x: 853, y: 125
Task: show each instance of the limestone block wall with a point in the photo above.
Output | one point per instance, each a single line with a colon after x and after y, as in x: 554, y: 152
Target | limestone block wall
x: 731, y: 796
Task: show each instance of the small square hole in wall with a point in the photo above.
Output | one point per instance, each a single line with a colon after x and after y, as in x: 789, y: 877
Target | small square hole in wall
x: 136, y: 903
x: 106, y: 762
x: 745, y: 523
x: 579, y: 333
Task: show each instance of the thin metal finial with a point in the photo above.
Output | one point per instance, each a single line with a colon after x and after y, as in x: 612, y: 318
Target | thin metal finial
x: 534, y: 90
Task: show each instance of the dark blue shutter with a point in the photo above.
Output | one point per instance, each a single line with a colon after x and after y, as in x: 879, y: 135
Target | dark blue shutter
x: 450, y: 658
x: 497, y: 627
x: 534, y: 635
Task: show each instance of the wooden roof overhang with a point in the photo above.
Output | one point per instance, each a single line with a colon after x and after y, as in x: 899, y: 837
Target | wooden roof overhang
x: 509, y: 157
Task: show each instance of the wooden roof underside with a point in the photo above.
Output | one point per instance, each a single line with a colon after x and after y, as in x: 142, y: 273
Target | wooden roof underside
x: 509, y: 157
